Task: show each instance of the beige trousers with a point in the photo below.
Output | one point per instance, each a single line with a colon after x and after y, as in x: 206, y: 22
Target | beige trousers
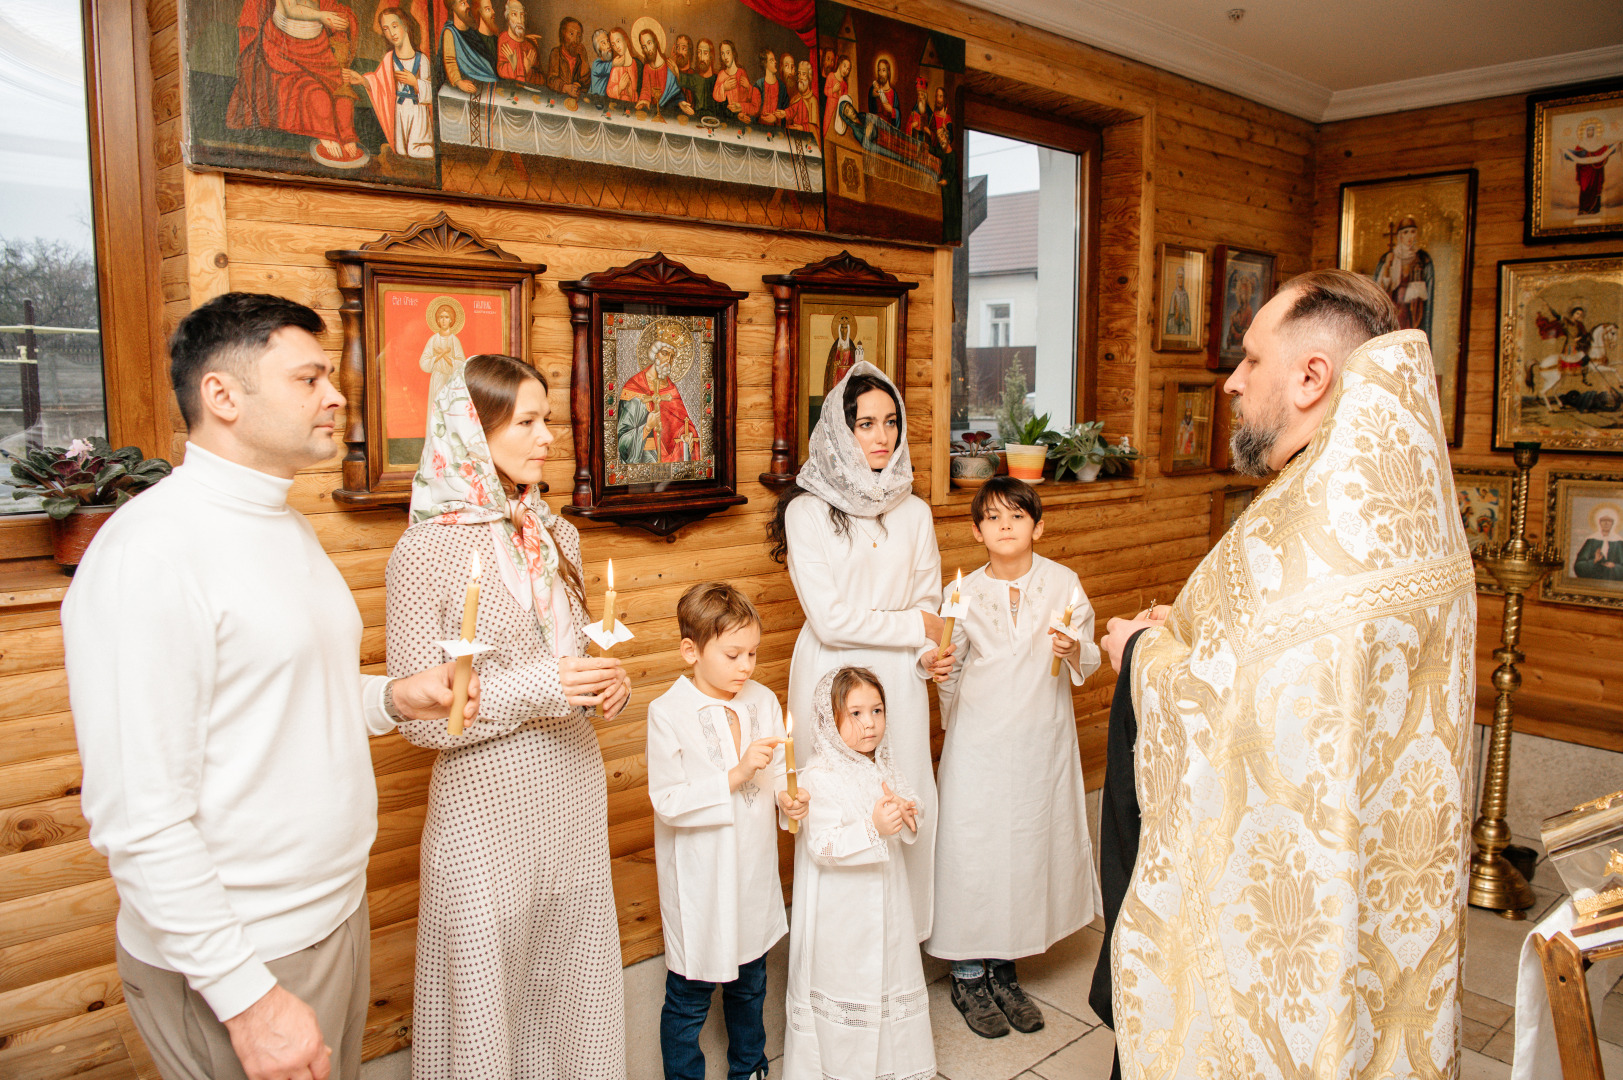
x: 188, y: 1043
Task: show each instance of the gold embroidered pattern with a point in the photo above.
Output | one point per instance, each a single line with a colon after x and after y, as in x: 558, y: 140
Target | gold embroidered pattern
x: 1304, y: 717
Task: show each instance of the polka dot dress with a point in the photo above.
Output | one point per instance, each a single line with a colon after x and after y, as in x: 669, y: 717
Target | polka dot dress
x: 518, y: 948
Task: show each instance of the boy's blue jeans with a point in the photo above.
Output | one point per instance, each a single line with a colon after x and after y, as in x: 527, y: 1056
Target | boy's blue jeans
x: 687, y: 1003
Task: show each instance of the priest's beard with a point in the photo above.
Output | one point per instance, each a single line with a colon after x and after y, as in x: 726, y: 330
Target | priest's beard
x: 1253, y: 439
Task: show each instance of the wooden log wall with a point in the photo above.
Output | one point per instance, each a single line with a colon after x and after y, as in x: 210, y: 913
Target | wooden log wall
x: 1572, y: 679
x: 1182, y: 163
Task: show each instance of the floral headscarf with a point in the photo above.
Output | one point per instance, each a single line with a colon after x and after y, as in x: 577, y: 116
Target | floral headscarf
x: 457, y: 484
x: 836, y: 470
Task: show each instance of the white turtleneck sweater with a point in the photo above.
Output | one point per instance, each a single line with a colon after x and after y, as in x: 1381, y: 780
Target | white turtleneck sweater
x: 213, y: 666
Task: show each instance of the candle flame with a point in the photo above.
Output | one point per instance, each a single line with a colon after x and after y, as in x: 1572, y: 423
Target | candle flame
x: 473, y: 566
x: 1076, y: 596
x: 611, y: 573
x: 789, y: 724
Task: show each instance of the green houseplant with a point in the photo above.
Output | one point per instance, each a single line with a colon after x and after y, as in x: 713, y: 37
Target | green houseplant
x: 79, y: 485
x: 1028, y: 449
x: 1084, y: 452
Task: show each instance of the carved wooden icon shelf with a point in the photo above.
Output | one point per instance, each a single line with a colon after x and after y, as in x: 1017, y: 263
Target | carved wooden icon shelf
x: 398, y: 281
x: 839, y: 282
x: 653, y: 399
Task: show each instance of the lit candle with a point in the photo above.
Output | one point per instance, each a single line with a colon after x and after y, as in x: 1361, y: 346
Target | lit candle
x: 789, y: 764
x: 608, y: 602
x: 464, y: 664
x: 946, y: 627
x: 1076, y: 598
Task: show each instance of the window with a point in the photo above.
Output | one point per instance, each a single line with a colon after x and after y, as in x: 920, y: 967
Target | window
x: 51, y: 385
x: 1020, y: 347
x: 997, y: 326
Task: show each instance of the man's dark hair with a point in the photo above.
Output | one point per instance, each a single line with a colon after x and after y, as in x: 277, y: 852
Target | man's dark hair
x: 229, y: 334
x: 1010, y: 491
x: 1349, y: 306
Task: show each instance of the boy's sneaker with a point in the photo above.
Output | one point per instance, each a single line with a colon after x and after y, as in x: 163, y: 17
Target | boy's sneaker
x: 973, y: 998
x: 1022, y: 1012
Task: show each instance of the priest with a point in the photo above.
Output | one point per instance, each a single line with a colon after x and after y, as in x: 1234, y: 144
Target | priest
x: 1303, y: 713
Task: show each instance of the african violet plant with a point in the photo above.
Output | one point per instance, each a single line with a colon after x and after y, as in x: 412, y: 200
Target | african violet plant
x: 85, y: 473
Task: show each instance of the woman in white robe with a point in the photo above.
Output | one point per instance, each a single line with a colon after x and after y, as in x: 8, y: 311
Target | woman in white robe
x: 863, y: 559
x: 858, y: 1004
x: 1014, y: 866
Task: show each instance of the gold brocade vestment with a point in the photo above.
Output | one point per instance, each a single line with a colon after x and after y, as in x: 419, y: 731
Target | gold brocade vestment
x: 1298, y: 903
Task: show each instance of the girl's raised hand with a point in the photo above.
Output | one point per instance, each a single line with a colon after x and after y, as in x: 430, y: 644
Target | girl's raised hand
x: 887, y: 813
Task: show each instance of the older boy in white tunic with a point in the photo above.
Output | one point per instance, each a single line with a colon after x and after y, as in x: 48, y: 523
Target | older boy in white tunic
x: 1014, y: 868
x: 716, y: 778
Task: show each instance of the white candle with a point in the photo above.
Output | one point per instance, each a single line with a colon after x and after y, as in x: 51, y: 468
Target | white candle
x: 946, y: 628
x: 1076, y: 598
x: 464, y: 664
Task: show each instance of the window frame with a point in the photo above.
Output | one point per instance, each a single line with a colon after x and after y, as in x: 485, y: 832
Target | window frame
x: 993, y: 321
x: 1087, y: 143
x: 124, y: 218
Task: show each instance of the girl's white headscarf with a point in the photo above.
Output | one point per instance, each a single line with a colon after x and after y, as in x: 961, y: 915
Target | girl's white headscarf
x: 832, y: 756
x: 836, y: 469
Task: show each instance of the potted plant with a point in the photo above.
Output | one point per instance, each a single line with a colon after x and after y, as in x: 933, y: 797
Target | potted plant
x: 1029, y: 449
x: 1084, y: 451
x: 973, y: 460
x: 80, y: 485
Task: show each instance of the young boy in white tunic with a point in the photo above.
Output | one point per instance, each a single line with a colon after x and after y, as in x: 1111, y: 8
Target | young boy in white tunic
x: 858, y: 1007
x: 1014, y: 868
x: 716, y: 778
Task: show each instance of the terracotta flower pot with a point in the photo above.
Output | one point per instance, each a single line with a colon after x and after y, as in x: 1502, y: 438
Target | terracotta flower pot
x: 71, y: 535
x: 1025, y: 462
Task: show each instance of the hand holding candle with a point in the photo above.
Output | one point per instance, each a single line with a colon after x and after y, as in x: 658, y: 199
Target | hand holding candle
x: 946, y: 629
x: 464, y: 664
x: 789, y: 764
x: 1053, y: 669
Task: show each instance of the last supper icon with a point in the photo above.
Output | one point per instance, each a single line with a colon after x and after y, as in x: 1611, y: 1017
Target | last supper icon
x: 659, y: 380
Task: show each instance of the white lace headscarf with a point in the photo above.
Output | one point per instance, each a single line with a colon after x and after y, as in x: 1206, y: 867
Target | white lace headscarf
x: 836, y: 469
x: 832, y: 756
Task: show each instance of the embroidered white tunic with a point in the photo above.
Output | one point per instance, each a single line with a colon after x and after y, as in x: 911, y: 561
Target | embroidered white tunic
x: 862, y: 596
x: 858, y: 1006
x: 1014, y: 867
x: 716, y: 851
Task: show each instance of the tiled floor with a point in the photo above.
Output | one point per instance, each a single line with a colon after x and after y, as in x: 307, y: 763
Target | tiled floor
x: 1074, y: 1046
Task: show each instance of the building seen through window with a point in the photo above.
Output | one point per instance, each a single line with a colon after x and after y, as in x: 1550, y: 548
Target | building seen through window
x: 50, y: 343
x: 1016, y: 347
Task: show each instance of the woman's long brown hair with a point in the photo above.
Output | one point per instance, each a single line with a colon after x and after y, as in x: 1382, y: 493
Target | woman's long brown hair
x: 493, y: 383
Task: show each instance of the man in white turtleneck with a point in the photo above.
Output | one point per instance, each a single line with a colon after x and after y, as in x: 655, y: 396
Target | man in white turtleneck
x: 212, y: 657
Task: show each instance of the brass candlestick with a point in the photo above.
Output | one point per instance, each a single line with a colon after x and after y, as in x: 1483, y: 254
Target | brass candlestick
x: 1518, y: 565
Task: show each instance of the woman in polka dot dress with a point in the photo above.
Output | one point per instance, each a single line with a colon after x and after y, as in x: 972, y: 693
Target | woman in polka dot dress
x: 518, y: 949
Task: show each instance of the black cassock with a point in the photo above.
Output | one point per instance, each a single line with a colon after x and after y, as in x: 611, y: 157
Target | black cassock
x: 1118, y: 830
